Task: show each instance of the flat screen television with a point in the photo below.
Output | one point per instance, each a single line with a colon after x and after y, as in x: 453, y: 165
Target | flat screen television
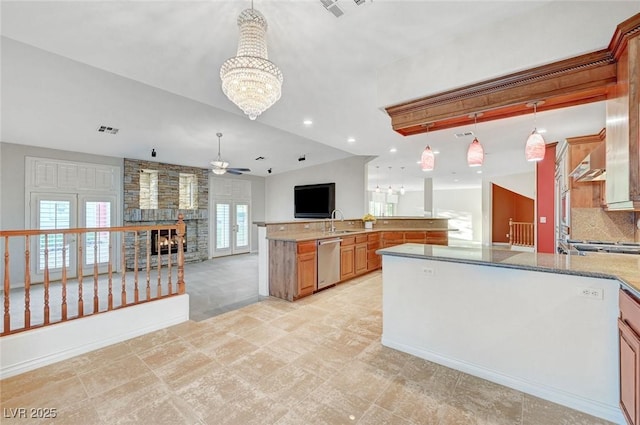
x: 314, y: 200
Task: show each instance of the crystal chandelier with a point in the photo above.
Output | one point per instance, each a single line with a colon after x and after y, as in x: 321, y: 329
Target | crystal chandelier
x: 249, y: 79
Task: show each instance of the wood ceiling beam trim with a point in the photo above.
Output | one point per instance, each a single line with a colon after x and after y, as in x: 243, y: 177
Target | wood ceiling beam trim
x: 585, y: 78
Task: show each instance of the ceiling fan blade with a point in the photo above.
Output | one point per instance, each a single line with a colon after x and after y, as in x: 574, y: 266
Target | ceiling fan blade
x: 234, y: 171
x: 246, y: 170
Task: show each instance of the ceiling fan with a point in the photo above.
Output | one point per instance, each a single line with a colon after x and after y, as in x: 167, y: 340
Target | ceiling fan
x: 221, y: 167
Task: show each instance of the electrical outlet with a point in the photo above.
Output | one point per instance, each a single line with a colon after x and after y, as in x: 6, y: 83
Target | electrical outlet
x: 385, y: 222
x: 593, y: 293
x: 306, y: 226
x: 281, y: 227
x: 428, y: 271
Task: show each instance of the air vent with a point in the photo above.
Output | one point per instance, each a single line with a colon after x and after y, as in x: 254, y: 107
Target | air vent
x: 260, y: 158
x: 465, y: 134
x: 109, y: 130
x: 332, y: 6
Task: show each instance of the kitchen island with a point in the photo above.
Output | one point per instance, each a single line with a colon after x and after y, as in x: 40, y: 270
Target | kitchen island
x: 545, y: 324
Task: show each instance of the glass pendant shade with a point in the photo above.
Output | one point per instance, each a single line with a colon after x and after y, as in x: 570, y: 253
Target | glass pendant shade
x: 377, y: 189
x: 402, y: 190
x: 535, y: 148
x: 390, y: 191
x: 475, y: 154
x: 428, y: 159
x: 249, y: 79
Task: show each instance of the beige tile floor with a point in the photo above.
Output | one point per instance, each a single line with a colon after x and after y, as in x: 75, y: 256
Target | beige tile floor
x: 316, y: 361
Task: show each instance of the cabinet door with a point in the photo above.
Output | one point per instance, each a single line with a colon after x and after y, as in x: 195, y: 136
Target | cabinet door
x: 347, y: 262
x: 361, y: 258
x: 629, y: 373
x: 438, y: 238
x: 306, y: 274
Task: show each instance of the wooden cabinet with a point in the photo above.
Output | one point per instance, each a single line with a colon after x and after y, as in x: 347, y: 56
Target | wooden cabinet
x: 347, y: 258
x: 415, y: 237
x: 306, y: 268
x: 361, y: 258
x: 392, y: 239
x: 629, y: 339
x: 588, y: 194
x: 373, y: 259
x: 438, y: 238
x: 292, y: 269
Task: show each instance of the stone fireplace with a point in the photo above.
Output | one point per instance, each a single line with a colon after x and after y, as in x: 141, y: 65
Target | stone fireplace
x: 196, y: 246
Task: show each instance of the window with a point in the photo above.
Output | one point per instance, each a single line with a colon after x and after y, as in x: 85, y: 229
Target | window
x: 148, y: 189
x: 381, y: 209
x: 97, y: 214
x: 188, y: 192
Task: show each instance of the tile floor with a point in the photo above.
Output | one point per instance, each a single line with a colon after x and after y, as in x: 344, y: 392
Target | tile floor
x: 316, y: 361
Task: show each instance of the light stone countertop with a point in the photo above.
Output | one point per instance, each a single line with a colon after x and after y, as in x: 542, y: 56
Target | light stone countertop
x: 314, y: 235
x: 623, y: 267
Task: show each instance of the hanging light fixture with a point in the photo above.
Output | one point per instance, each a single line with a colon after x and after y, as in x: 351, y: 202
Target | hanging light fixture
x: 475, y: 153
x: 390, y: 191
x: 377, y: 179
x: 402, y: 180
x: 428, y: 159
x: 249, y: 79
x: 535, y: 147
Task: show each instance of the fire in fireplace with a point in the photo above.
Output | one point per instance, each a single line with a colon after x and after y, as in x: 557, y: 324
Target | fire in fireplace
x: 166, y: 241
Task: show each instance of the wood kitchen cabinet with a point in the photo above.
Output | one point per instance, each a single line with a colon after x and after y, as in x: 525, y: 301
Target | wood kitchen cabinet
x: 347, y: 258
x: 629, y: 339
x: 361, y: 254
x: 292, y: 269
x: 392, y: 239
x: 438, y: 238
x: 373, y: 259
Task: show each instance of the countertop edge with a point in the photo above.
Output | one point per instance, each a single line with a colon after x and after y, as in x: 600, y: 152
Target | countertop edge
x: 581, y: 273
x: 301, y: 237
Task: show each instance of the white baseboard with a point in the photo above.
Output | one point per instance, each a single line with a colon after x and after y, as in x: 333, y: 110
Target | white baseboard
x: 591, y: 407
x: 43, y: 346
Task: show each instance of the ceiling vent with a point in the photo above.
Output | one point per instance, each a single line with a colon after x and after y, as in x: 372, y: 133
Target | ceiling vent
x: 332, y: 6
x: 465, y: 134
x: 108, y: 130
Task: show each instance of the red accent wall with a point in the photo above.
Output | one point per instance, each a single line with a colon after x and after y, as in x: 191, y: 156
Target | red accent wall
x: 545, y: 190
x: 505, y: 205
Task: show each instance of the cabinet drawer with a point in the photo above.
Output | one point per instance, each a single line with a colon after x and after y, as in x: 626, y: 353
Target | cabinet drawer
x: 393, y: 236
x: 415, y: 237
x: 373, y: 245
x: 630, y: 310
x: 361, y: 238
x: 348, y: 240
x: 374, y: 237
x: 305, y: 247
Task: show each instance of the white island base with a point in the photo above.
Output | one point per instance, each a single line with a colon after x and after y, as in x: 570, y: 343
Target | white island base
x: 529, y: 330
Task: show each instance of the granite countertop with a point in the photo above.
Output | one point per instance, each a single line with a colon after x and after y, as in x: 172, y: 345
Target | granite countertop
x: 623, y: 267
x: 313, y: 235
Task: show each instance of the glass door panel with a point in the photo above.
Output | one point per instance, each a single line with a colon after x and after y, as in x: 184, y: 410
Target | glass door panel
x: 223, y: 228
x: 95, y: 214
x: 54, y: 212
x: 241, y: 228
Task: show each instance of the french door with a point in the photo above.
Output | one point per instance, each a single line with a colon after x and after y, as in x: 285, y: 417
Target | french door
x: 232, y: 228
x: 66, y: 211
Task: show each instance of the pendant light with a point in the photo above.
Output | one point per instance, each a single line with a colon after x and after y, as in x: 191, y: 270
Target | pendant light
x: 390, y: 191
x: 535, y: 147
x: 428, y: 159
x: 377, y: 179
x: 401, y: 180
x: 475, y: 153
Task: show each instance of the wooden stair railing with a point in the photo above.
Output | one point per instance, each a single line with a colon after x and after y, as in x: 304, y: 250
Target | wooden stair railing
x: 80, y: 234
x: 521, y: 233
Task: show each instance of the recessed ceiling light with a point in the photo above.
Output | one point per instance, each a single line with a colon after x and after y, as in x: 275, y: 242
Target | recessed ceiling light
x: 393, y: 150
x: 479, y: 171
x: 542, y: 130
x: 436, y: 152
x: 351, y: 140
x: 307, y: 122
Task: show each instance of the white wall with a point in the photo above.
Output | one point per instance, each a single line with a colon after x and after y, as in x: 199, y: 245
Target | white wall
x: 463, y: 207
x: 348, y: 174
x: 411, y: 204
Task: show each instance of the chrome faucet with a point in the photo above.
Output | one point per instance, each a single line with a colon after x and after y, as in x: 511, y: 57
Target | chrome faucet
x: 333, y: 217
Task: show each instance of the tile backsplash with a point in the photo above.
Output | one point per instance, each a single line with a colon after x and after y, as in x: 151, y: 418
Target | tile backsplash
x: 597, y: 224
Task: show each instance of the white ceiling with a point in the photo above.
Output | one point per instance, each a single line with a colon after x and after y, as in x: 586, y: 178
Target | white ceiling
x: 151, y: 69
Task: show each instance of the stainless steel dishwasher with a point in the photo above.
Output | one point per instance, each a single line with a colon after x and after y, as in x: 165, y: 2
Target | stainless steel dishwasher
x: 328, y: 262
